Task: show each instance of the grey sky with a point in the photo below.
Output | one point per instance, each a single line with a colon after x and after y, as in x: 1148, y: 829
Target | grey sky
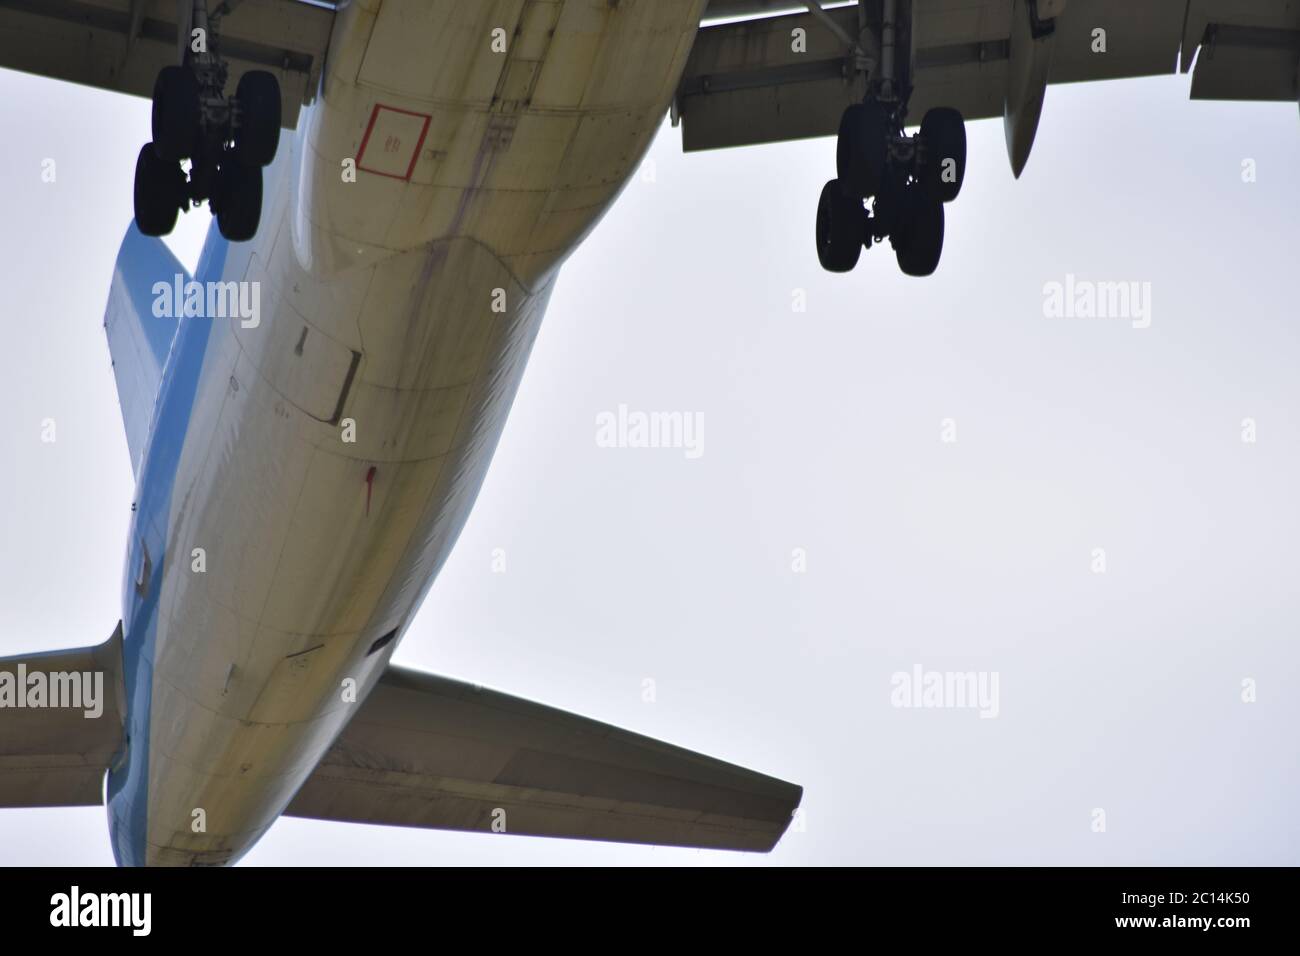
x: 822, y: 431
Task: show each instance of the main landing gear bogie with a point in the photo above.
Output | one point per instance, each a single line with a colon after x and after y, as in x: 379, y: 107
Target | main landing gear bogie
x: 226, y: 140
x: 906, y: 179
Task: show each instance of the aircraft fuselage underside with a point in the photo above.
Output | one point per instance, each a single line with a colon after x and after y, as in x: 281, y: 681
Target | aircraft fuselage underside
x: 324, y: 458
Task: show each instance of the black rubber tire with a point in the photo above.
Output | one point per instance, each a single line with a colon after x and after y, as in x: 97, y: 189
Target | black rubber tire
x: 861, y: 148
x: 159, y: 192
x: 943, y: 131
x: 258, y: 134
x: 919, y: 243
x: 841, y: 221
x: 176, y: 114
x: 238, y: 203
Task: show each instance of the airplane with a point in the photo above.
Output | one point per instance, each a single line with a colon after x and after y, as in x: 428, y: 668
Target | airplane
x: 311, y: 413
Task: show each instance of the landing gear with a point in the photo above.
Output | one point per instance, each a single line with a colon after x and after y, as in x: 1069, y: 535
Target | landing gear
x: 227, y: 141
x: 907, y: 179
x: 888, y: 184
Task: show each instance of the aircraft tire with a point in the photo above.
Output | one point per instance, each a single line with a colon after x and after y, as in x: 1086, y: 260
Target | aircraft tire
x: 159, y: 192
x: 861, y: 148
x: 176, y: 114
x: 944, y: 134
x: 238, y: 201
x: 919, y: 243
x: 840, y: 228
x: 258, y: 134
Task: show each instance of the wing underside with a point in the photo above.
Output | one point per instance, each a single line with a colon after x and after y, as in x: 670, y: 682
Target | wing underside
x: 426, y: 751
x: 60, y: 725
x: 746, y: 82
x: 122, y: 44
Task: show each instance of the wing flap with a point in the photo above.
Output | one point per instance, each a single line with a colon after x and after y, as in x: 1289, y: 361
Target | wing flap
x: 427, y: 751
x: 1141, y: 39
x: 1249, y: 63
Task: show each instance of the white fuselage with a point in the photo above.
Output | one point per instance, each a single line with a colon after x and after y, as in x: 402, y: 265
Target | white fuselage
x: 328, y: 457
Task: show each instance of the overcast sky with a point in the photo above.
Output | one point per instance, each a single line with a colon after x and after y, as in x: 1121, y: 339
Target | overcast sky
x: 824, y: 430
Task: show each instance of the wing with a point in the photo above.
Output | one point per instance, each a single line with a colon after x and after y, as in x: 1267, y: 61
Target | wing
x: 426, y: 751
x: 122, y: 44
x: 748, y: 81
x: 60, y: 725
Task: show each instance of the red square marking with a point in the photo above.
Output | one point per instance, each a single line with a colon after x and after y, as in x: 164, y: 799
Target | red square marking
x: 392, y: 142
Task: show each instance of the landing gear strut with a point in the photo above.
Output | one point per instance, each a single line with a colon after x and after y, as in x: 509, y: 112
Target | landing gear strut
x: 227, y: 140
x: 888, y: 184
